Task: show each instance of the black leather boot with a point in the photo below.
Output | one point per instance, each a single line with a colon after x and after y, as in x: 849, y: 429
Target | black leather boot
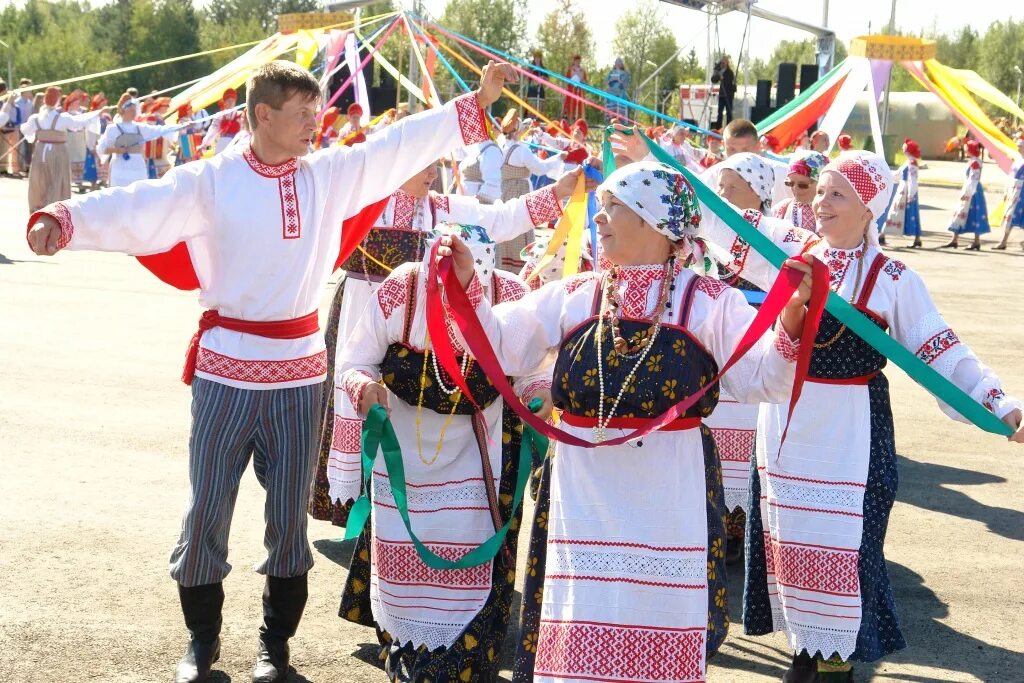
x: 804, y: 669
x: 283, y: 602
x: 201, y: 606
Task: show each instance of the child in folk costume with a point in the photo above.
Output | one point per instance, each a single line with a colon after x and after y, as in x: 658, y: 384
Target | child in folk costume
x: 461, y: 465
x: 260, y: 244
x: 1013, y: 200
x: 49, y: 178
x: 802, y: 179
x: 905, y: 212
x: 815, y: 563
x: 972, y: 213
x: 398, y: 237
x: 596, y: 607
x: 125, y: 141
x: 226, y: 125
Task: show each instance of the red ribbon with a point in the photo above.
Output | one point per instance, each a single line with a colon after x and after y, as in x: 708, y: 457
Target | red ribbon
x: 464, y: 314
x: 296, y: 328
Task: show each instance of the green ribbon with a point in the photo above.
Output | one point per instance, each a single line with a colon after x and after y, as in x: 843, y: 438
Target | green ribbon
x: 379, y: 434
x: 918, y: 370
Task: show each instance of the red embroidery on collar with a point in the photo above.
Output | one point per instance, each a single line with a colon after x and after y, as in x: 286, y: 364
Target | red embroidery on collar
x: 269, y: 170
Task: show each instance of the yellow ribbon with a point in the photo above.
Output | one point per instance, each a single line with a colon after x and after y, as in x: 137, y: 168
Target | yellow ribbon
x: 569, y: 227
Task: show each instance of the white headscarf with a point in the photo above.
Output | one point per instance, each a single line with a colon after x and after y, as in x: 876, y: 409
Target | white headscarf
x: 758, y: 173
x: 871, y: 179
x: 479, y: 242
x: 665, y: 200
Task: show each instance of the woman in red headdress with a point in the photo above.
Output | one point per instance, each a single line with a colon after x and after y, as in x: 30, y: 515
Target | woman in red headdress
x: 572, y: 108
x: 227, y: 125
x: 905, y: 213
x: 49, y: 178
x: 972, y: 213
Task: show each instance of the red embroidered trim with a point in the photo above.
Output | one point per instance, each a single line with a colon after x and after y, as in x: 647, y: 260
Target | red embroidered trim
x: 787, y: 348
x: 353, y: 383
x: 291, y: 220
x: 475, y: 293
x: 626, y: 544
x: 60, y: 213
x: 866, y: 181
x: 609, y: 652
x: 573, y: 283
x: 937, y: 345
x: 543, y: 206
x: 734, y: 444
x: 346, y: 435
x: 638, y: 281
x: 399, y: 563
x: 441, y: 203
x: 261, y: 371
x: 510, y: 289
x: 269, y: 170
x: 894, y: 269
x: 405, y: 210
x: 392, y: 294
x: 991, y: 397
x: 813, y: 569
x: 472, y: 124
x: 711, y: 287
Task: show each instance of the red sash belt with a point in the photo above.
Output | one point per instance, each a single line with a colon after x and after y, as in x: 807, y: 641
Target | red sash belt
x: 859, y: 380
x: 295, y: 328
x: 631, y: 423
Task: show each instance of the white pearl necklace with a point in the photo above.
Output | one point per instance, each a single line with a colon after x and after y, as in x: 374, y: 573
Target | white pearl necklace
x: 600, y: 430
x: 437, y: 373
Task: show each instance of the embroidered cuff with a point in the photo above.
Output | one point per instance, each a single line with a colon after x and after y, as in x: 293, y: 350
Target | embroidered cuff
x: 59, y: 213
x: 533, y: 387
x: 475, y: 292
x: 788, y: 348
x: 354, y: 383
x: 543, y: 205
x: 998, y: 403
x: 472, y: 123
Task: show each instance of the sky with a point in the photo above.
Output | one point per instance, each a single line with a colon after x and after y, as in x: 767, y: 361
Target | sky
x: 848, y: 18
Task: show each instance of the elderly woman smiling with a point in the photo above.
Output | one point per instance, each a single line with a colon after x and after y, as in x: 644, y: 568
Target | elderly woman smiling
x: 802, y: 179
x: 627, y: 544
x: 820, y: 505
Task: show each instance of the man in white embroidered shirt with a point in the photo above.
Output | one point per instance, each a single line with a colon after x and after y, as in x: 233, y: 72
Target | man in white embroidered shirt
x: 257, y: 230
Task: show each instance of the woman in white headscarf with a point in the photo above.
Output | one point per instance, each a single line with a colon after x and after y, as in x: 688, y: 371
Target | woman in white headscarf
x: 624, y: 578
x: 820, y: 506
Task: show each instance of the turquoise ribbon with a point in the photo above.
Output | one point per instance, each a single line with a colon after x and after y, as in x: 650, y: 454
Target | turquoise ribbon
x: 379, y: 434
x: 857, y: 322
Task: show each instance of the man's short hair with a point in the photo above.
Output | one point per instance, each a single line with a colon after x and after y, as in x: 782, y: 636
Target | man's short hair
x: 134, y: 92
x: 276, y: 82
x: 25, y: 81
x: 740, y: 128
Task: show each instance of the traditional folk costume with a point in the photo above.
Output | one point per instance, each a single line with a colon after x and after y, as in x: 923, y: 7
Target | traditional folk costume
x: 92, y: 170
x: 481, y: 172
x: 972, y: 213
x: 328, y: 134
x: 735, y: 422
x: 49, y: 178
x: 436, y: 625
x: 132, y: 165
x: 353, y: 134
x: 190, y: 137
x: 572, y: 107
x: 398, y: 237
x: 624, y: 579
x: 155, y: 151
x: 1013, y: 200
x: 517, y: 165
x: 225, y: 126
x: 808, y: 164
x: 905, y: 213
x: 76, y: 139
x: 815, y: 563
x: 259, y: 243
x: 618, y: 84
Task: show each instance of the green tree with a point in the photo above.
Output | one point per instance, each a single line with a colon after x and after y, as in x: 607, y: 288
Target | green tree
x: 690, y: 69
x: 644, y: 42
x: 564, y: 33
x: 1001, y: 49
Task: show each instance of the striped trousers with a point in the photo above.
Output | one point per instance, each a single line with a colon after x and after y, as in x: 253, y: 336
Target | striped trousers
x: 280, y: 430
